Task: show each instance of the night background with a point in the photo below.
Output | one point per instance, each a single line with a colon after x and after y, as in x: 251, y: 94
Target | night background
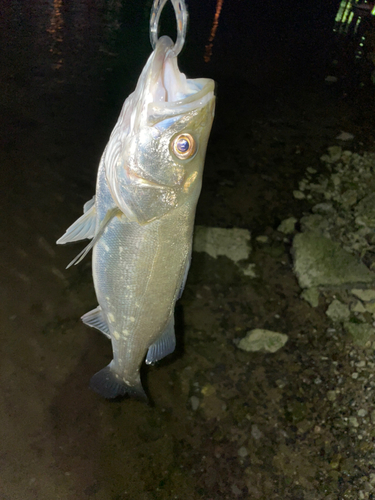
x: 296, y: 424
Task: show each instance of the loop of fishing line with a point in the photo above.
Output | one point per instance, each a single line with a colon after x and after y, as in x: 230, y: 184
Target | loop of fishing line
x: 181, y: 18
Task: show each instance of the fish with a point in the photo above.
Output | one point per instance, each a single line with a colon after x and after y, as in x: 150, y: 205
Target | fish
x: 141, y: 219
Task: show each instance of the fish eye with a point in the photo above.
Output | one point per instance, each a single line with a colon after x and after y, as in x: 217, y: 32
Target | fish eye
x: 184, y: 146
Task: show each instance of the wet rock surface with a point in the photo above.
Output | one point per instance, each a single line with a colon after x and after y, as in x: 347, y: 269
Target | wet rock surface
x: 295, y: 424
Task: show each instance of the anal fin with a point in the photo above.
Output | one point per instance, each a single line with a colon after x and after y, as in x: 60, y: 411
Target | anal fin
x: 165, y: 345
x: 95, y: 319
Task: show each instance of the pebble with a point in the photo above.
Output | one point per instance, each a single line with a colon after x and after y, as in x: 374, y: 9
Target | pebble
x: 331, y: 395
x: 194, y: 401
x: 255, y: 432
x: 298, y: 195
x: 362, y: 412
x: 242, y: 452
x: 353, y: 421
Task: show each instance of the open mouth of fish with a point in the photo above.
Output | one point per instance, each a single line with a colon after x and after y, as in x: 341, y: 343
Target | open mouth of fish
x: 171, y: 93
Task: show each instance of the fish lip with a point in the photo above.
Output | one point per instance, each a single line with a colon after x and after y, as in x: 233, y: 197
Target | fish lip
x: 166, y: 74
x: 159, y: 111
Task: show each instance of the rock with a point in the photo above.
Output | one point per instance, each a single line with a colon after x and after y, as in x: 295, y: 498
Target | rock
x: 345, y: 136
x: 365, y: 211
x: 298, y: 195
x: 256, y: 433
x: 315, y: 222
x: 288, y: 225
x: 262, y: 340
x: 358, y: 307
x: 370, y: 307
x: 311, y: 295
x: 233, y: 243
x: 242, y: 452
x: 323, y: 208
x: 330, y: 79
x: 194, y: 401
x: 334, y: 154
x: 361, y: 333
x: 319, y: 261
x: 338, y: 311
x: 365, y: 295
x: 249, y: 270
x: 262, y: 239
x: 349, y: 198
x: 353, y: 421
x: 331, y: 395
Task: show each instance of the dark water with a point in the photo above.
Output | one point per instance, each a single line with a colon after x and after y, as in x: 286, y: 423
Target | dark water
x: 66, y: 68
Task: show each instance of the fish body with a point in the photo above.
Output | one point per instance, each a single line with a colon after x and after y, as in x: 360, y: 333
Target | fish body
x: 142, y: 216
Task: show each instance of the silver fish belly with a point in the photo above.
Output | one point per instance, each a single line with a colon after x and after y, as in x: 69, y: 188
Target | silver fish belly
x: 141, y: 219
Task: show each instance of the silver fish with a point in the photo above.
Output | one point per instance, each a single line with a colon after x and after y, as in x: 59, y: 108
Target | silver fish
x: 141, y: 218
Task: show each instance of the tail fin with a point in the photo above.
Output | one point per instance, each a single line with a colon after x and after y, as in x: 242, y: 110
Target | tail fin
x: 109, y: 385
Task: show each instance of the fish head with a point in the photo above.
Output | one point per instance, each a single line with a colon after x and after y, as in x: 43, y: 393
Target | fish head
x: 155, y: 156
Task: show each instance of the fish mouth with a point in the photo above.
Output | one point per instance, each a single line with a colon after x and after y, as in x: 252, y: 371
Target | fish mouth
x: 171, y: 93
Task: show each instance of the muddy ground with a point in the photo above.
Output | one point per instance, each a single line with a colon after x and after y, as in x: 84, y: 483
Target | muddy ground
x: 224, y: 424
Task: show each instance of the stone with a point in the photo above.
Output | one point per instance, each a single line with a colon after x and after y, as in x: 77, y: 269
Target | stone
x: 370, y: 307
x: 358, y: 307
x: 334, y: 154
x: 232, y: 243
x: 319, y: 261
x: 298, y: 195
x: 345, y: 136
x: 365, y: 211
x: 365, y: 295
x: 315, y: 223
x: 323, y: 208
x: 249, y: 270
x: 349, y: 198
x: 361, y: 333
x: 331, y: 395
x: 242, y: 452
x: 353, y: 421
x: 338, y: 311
x: 311, y: 295
x: 256, y: 433
x: 262, y: 340
x: 194, y: 401
x: 287, y: 226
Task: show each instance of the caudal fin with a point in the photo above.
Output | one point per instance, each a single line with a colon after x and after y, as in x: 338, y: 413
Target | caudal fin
x: 109, y: 385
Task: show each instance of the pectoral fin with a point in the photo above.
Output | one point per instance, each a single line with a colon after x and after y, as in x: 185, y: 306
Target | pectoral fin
x: 107, y: 219
x: 95, y: 319
x: 84, y: 227
x: 164, y: 345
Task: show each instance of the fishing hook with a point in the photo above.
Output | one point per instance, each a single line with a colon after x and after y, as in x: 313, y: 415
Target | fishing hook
x: 181, y: 18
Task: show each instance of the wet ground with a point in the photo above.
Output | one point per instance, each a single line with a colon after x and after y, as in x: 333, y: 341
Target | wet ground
x: 226, y: 424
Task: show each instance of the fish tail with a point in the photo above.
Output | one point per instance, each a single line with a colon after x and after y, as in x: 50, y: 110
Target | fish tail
x: 108, y: 384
